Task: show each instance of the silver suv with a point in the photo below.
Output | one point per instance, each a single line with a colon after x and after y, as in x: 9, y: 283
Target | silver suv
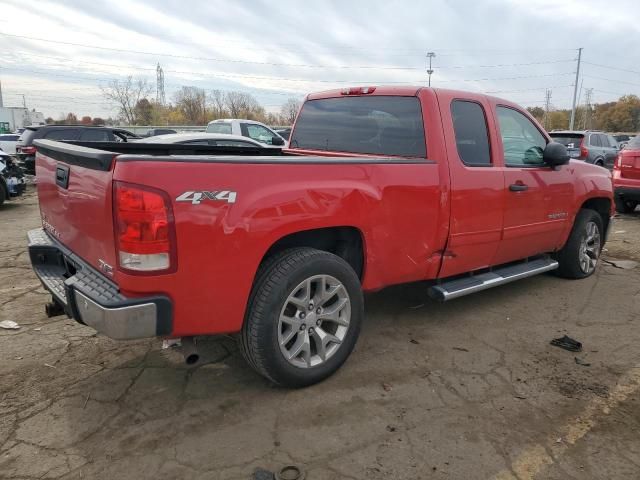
x: 591, y: 146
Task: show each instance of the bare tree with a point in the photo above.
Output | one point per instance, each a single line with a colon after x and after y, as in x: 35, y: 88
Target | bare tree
x: 289, y: 110
x: 216, y: 99
x: 126, y: 94
x: 242, y: 105
x: 191, y: 101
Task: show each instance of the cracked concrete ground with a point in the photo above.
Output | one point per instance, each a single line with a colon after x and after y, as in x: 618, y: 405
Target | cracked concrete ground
x: 465, y: 390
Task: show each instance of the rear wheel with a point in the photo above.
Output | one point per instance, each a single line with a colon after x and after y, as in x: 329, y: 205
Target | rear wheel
x: 625, y: 206
x: 579, y: 257
x: 304, y: 317
x: 599, y: 162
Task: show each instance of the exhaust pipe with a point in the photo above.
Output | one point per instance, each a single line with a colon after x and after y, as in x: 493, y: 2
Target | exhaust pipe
x: 190, y: 350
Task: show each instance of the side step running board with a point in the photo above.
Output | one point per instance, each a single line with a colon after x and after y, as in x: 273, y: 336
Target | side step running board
x: 459, y: 287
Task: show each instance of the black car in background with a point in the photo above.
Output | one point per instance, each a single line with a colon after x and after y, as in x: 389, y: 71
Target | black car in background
x: 154, y: 132
x: 26, y: 151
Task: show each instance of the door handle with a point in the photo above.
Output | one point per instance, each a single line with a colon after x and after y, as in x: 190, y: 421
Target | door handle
x: 518, y: 187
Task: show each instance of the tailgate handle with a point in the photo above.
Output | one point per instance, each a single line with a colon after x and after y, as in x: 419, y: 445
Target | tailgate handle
x: 62, y: 176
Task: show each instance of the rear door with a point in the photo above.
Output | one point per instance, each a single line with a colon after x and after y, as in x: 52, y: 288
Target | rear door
x: 477, y: 183
x: 537, y: 198
x: 610, y: 150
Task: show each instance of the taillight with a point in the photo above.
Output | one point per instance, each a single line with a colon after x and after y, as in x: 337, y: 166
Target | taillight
x: 617, y: 162
x: 28, y: 150
x: 144, y: 229
x: 584, y: 153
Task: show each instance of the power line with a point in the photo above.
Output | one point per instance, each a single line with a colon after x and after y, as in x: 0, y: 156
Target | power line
x: 609, y: 67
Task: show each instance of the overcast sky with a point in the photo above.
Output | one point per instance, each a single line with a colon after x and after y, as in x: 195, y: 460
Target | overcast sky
x: 276, y: 49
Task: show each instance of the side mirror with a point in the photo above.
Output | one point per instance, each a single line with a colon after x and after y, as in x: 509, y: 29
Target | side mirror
x: 277, y: 141
x: 555, y: 154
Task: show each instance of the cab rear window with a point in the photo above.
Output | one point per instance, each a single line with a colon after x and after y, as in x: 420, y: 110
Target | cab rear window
x: 377, y: 125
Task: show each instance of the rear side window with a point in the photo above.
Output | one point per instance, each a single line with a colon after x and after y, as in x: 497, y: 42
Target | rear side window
x: 472, y: 138
x: 94, y: 136
x: 63, y: 134
x: 9, y: 138
x: 219, y: 128
x: 568, y: 140
x: 378, y: 125
x: 594, y: 140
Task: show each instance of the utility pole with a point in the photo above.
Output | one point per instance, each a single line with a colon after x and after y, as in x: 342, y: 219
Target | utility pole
x: 575, y: 91
x: 430, y: 56
x: 547, y: 107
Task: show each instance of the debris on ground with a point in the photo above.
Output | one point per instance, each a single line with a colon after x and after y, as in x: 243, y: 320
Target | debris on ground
x: 460, y: 349
x: 620, y: 231
x: 414, y: 341
x: 579, y: 361
x: 290, y: 472
x: 9, y: 325
x: 416, y: 307
x: 262, y: 474
x: 624, y: 264
x: 567, y: 343
x: 171, y: 342
x: 387, y: 387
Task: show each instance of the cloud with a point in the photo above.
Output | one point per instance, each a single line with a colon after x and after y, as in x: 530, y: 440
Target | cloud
x: 274, y: 50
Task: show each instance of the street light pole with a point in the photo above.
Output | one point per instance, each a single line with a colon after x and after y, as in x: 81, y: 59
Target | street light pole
x: 430, y: 56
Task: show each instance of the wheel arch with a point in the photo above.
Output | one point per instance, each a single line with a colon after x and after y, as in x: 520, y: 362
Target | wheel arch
x: 346, y: 242
x: 602, y: 206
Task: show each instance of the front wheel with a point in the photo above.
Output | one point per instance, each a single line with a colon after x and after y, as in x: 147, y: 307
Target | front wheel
x: 579, y: 257
x: 303, y: 317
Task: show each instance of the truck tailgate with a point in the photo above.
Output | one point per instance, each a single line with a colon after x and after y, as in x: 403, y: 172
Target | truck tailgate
x: 75, y: 189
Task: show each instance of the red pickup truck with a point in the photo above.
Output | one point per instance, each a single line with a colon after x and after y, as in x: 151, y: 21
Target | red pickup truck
x: 379, y: 186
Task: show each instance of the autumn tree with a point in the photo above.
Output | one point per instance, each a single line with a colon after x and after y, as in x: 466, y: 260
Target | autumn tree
x: 126, y: 94
x: 242, y: 105
x: 86, y: 120
x: 144, y: 112
x: 97, y: 121
x: 192, y: 103
x: 216, y: 102
x: 71, y: 119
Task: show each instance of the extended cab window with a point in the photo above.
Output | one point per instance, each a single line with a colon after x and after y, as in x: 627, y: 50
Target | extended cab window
x: 522, y: 142
x: 472, y: 138
x: 377, y: 125
x: 63, y: 134
x: 219, y: 128
x: 95, y: 136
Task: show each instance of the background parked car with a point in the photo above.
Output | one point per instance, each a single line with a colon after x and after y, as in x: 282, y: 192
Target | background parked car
x: 159, y: 131
x: 626, y: 177
x: 8, y: 142
x: 12, y: 182
x: 203, y: 138
x: 247, y: 128
x: 26, y: 151
x: 598, y: 148
x: 284, y: 132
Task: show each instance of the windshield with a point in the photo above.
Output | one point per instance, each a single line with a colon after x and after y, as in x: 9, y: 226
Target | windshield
x: 568, y: 140
x: 219, y: 128
x: 383, y: 125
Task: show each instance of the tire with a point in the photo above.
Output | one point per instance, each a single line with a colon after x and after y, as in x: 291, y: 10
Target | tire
x: 281, y: 336
x: 625, y: 206
x: 4, y: 194
x: 579, y: 256
x: 599, y: 163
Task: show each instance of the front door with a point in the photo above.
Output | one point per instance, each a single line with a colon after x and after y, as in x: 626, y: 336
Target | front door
x: 537, y: 197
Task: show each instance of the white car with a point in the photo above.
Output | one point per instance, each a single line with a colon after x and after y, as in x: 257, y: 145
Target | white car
x: 247, y: 128
x: 203, y: 138
x: 8, y: 142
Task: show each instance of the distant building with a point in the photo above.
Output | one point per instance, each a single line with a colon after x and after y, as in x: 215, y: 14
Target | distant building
x: 19, y: 117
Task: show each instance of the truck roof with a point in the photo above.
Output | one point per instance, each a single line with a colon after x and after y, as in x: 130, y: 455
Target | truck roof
x: 408, y: 91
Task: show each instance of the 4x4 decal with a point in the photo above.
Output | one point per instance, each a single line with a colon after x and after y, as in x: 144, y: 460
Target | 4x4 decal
x: 197, y: 197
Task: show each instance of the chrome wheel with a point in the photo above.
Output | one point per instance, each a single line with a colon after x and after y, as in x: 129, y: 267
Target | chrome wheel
x: 314, y: 321
x: 589, y: 248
